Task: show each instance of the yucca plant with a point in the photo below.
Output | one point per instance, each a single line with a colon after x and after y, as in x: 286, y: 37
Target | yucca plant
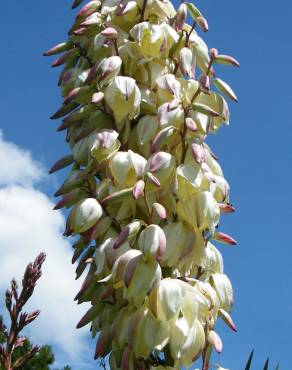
x: 146, y: 190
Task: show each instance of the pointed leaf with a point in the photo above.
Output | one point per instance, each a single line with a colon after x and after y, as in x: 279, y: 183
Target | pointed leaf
x: 248, y: 364
x: 266, y: 365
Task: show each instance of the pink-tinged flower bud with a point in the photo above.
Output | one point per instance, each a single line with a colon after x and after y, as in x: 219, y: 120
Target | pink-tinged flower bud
x: 117, y: 196
x: 62, y: 59
x: 191, y: 124
x: 226, y: 208
x: 69, y: 199
x: 159, y: 209
x: 152, y: 242
x: 227, y: 60
x: 198, y: 152
x: 89, y: 316
x: 227, y: 319
x: 213, y: 53
x: 203, y: 24
x: 138, y: 189
x: 59, y: 48
x: 180, y: 17
x: 103, y: 344
x: 224, y: 238
x: 83, y: 216
x: 62, y: 163
x: 120, y: 265
x: 110, y: 33
x: 97, y: 98
x: 204, y: 82
x: 88, y: 9
x: 81, y: 95
x: 153, y: 179
x: 128, y: 233
x: 162, y: 138
x: 108, y: 69
x: 215, y: 340
x: 65, y: 109
x: 162, y: 166
x: 93, y: 20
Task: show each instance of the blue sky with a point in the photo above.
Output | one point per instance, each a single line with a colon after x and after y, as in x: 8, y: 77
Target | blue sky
x: 255, y: 151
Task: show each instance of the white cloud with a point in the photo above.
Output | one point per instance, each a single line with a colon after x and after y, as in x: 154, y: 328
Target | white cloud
x: 17, y: 165
x: 28, y: 225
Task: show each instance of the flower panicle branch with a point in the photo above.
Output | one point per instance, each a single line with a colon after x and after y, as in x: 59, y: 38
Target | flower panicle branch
x: 15, y: 302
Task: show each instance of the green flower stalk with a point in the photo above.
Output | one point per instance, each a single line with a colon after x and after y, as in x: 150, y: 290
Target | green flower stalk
x: 146, y: 191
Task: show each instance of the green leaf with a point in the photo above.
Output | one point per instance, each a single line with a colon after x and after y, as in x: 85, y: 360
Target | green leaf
x: 248, y: 364
x: 278, y: 366
x: 194, y: 11
x: 225, y: 89
x: 266, y: 365
x: 205, y: 109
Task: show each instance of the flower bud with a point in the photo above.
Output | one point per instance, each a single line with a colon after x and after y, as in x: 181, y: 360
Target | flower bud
x: 162, y: 166
x: 88, y: 9
x: 110, y: 33
x: 227, y: 60
x: 180, y: 17
x: 108, y: 69
x: 158, y: 209
x: 59, y: 48
x: 97, y: 98
x: 128, y: 233
x: 204, y: 82
x: 152, y: 242
x: 120, y: 265
x: 214, y: 339
x: 83, y: 216
x: 203, y: 24
x: 162, y: 138
x: 224, y: 238
x: 138, y: 189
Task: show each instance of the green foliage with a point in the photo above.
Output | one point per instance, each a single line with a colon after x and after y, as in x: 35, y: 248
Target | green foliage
x: 40, y: 361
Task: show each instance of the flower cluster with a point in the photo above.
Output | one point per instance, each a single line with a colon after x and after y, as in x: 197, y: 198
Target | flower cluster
x: 146, y: 190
